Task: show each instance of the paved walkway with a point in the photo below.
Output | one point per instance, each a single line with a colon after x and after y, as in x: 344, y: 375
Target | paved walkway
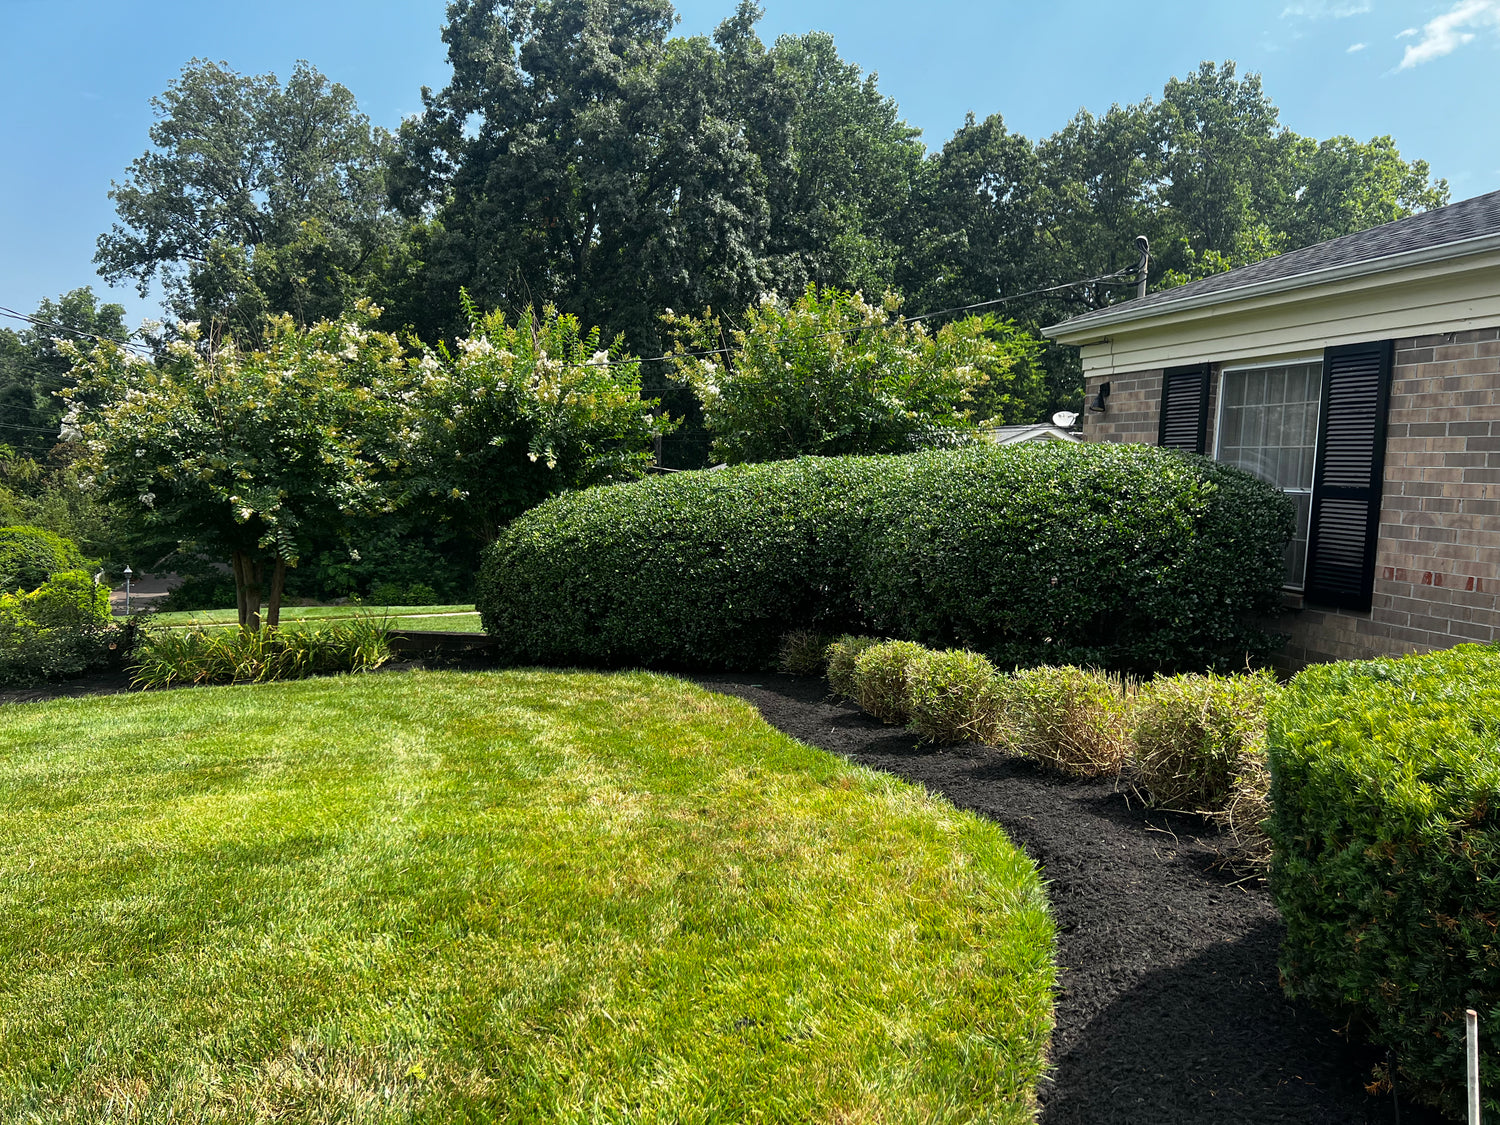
x: 146, y: 592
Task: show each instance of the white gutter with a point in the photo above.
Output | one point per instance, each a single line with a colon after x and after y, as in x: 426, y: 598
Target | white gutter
x: 1125, y: 311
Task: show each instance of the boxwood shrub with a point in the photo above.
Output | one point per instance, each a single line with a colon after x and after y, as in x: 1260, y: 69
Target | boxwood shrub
x: 1385, y: 829
x: 1120, y: 556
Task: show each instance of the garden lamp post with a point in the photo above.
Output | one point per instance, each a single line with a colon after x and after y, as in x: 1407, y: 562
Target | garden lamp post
x: 127, y: 591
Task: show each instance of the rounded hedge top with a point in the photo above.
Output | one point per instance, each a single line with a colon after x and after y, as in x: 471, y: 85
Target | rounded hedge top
x: 31, y: 555
x: 1118, y: 555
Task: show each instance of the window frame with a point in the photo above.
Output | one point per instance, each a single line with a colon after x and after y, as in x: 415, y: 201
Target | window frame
x: 1264, y: 365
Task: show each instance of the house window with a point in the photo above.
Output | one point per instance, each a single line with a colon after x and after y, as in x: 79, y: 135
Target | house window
x: 1268, y: 426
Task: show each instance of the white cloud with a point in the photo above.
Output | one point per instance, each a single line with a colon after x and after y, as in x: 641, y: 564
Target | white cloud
x: 1325, y: 9
x: 1356, y: 47
x: 1407, y: 34
x: 1451, y: 30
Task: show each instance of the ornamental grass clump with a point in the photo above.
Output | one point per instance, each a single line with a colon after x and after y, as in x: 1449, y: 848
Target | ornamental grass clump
x: 841, y: 657
x: 176, y: 657
x: 957, y: 696
x: 804, y: 652
x: 1076, y: 720
x: 1385, y: 828
x: 883, y: 675
x: 1193, y: 735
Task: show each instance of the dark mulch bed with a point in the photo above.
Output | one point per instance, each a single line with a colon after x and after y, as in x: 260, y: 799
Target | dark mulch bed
x: 1168, y: 1005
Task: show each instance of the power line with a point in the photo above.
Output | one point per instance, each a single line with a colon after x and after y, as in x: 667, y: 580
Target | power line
x: 39, y: 323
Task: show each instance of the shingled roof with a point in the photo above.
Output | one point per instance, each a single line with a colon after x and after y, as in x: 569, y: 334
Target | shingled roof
x: 1453, y: 225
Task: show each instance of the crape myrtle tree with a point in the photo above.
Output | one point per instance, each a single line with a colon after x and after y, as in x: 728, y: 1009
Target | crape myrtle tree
x: 255, y: 198
x: 517, y: 412
x: 248, y: 452
x: 832, y: 374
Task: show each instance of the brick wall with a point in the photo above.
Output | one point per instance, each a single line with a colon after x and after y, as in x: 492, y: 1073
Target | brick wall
x: 1437, y: 566
x: 1133, y: 409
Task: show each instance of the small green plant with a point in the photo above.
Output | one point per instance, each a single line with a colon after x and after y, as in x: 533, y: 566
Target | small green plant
x: 957, y: 696
x: 164, y: 658
x: 841, y: 657
x: 1073, y: 719
x: 882, y: 678
x: 804, y: 652
x: 1191, y: 736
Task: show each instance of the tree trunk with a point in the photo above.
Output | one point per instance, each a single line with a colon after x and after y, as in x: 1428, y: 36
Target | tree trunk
x: 237, y: 564
x: 278, y: 583
x: 247, y: 574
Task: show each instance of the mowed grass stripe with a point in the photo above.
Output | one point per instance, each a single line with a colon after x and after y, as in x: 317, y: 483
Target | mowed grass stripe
x: 528, y: 896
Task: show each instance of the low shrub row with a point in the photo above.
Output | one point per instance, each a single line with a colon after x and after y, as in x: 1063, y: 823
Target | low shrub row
x: 1192, y: 742
x: 60, y: 629
x: 1385, y: 824
x: 164, y: 658
x: 1119, y: 556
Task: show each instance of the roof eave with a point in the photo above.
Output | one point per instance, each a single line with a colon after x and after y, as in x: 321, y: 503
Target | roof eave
x: 1124, y: 314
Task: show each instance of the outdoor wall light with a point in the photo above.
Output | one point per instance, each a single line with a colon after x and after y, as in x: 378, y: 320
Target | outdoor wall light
x: 1101, y: 400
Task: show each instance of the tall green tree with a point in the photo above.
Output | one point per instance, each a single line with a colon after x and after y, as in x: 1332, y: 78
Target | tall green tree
x: 255, y: 198
x: 33, y: 368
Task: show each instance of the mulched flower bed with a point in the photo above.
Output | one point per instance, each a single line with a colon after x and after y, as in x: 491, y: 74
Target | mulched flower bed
x: 1168, y: 1010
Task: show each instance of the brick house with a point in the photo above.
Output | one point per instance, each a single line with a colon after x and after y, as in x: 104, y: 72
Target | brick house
x: 1361, y: 375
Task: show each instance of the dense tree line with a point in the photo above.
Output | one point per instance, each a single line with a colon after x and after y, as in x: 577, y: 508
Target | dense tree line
x: 582, y: 158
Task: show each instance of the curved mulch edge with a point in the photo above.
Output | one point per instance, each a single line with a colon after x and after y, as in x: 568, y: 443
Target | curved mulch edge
x: 1169, y: 1007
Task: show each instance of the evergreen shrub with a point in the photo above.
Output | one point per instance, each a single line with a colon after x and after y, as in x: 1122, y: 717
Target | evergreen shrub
x: 1121, y: 556
x: 31, y: 555
x: 1385, y: 828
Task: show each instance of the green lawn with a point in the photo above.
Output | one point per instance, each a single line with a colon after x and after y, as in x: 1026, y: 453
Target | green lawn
x: 446, y: 618
x: 520, y: 896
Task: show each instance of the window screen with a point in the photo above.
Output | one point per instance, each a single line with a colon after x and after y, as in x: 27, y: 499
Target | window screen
x: 1268, y: 426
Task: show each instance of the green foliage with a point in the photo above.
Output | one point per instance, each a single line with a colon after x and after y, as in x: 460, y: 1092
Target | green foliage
x: 1193, y: 735
x: 958, y: 696
x: 832, y: 374
x: 519, y: 412
x: 804, y: 652
x: 31, y: 555
x: 249, y: 453
x: 1386, y: 835
x: 33, y: 368
x: 168, y: 657
x: 1075, y: 720
x: 1120, y: 556
x: 58, y: 630
x: 256, y: 198
x: 881, y: 678
x: 843, y: 654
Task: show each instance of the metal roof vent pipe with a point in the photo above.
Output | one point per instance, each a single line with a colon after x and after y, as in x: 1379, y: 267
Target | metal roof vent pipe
x: 1143, y: 244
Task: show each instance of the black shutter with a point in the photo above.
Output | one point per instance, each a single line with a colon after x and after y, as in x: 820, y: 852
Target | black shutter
x: 1348, y: 479
x: 1184, y: 408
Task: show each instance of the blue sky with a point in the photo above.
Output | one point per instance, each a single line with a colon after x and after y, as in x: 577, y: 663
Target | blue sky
x: 76, y: 77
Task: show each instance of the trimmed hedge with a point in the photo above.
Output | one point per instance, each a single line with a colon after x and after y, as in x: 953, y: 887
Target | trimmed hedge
x: 1385, y: 825
x: 1121, y: 556
x: 31, y: 555
x: 61, y: 629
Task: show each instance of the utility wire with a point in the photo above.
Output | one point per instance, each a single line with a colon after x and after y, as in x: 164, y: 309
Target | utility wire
x: 914, y: 319
x: 39, y: 323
